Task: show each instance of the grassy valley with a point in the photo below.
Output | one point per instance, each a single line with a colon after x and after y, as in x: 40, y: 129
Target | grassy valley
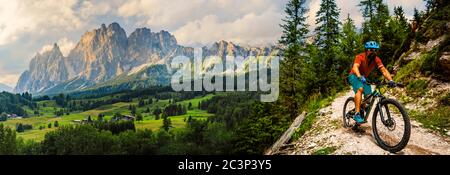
x: 48, y: 108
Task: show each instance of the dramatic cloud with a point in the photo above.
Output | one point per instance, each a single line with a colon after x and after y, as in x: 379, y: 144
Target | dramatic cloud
x: 29, y: 26
x: 170, y: 15
x: 206, y: 21
x: 90, y: 8
x: 253, y: 29
x: 65, y: 45
x: 38, y: 17
x: 9, y: 79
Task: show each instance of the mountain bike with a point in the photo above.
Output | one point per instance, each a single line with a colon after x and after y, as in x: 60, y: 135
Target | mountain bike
x: 390, y: 122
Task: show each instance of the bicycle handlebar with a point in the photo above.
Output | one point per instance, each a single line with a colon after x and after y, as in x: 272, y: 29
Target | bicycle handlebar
x: 384, y: 83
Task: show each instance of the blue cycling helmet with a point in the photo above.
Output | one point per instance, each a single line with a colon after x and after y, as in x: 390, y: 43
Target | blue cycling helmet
x: 372, y: 45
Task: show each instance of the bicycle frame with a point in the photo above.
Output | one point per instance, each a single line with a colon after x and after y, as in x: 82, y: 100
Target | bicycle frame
x: 382, y: 104
x: 376, y: 94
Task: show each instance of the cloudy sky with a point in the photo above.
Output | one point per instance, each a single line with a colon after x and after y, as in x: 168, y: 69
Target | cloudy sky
x: 31, y: 26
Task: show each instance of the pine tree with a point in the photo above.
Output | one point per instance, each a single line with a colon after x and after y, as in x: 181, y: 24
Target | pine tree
x: 139, y: 117
x: 141, y: 102
x: 19, y: 128
x: 133, y: 110
x: 431, y: 5
x: 8, y: 143
x: 400, y: 16
x: 327, y: 41
x: 396, y: 36
x: 376, y: 15
x: 417, y: 16
x: 350, y: 42
x: 157, y: 112
x: 100, y: 117
x: 293, y: 41
x: 327, y: 20
x: 166, y: 122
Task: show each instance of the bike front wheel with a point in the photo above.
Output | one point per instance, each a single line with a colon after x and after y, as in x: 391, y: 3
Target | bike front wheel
x: 391, y: 125
x: 349, y: 112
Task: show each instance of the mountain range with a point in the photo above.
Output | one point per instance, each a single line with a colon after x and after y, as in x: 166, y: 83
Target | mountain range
x: 106, y: 57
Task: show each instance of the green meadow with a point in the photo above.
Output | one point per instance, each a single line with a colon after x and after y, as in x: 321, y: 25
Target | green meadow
x: 48, y: 108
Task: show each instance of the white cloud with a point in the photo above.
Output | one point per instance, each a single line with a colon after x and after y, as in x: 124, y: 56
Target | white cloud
x: 38, y: 17
x: 170, y: 15
x: 9, y: 79
x: 251, y: 29
x: 206, y: 21
x: 90, y: 8
x: 27, y: 25
x: 65, y: 45
x: 46, y: 48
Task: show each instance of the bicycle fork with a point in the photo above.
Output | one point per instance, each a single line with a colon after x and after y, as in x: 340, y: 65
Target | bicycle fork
x: 389, y: 122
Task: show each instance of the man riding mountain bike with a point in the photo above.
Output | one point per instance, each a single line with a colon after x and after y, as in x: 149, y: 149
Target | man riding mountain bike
x: 362, y: 66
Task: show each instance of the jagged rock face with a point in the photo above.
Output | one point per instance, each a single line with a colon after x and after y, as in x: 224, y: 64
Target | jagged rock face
x: 148, y: 47
x: 107, y: 52
x: 444, y: 62
x: 224, y: 48
x: 98, y: 56
x: 46, y: 70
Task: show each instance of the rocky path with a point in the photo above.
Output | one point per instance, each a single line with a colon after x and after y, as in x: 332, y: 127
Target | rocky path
x: 328, y: 132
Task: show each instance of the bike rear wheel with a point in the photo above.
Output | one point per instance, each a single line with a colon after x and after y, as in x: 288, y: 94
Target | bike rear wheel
x: 392, y: 131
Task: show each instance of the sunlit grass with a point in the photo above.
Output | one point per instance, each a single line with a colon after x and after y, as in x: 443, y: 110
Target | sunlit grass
x: 47, y: 115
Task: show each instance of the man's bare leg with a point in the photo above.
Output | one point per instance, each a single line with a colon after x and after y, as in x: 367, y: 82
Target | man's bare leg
x: 358, y: 97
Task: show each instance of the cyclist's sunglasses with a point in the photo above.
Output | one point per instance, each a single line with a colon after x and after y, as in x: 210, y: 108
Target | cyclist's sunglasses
x: 372, y: 50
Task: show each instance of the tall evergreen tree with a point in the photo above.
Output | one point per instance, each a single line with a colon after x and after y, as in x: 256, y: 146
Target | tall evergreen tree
x: 397, y: 36
x: 417, y: 16
x: 327, y: 20
x: 400, y: 16
x: 351, y: 43
x: 167, y: 123
x: 8, y: 143
x: 401, y: 23
x: 376, y: 15
x: 293, y: 41
x: 327, y: 41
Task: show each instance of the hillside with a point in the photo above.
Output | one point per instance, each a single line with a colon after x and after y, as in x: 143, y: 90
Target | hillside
x: 15, y: 104
x: 424, y: 67
x: 48, y: 112
x: 328, y: 136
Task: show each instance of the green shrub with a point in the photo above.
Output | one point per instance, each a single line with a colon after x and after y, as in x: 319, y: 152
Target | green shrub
x: 417, y: 87
x: 8, y: 144
x: 325, y: 151
x: 437, y: 119
x: 405, y: 73
x: 429, y: 62
x: 445, y: 100
x: 305, y: 126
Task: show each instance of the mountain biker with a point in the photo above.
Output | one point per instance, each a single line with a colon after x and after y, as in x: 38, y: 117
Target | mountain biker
x: 362, y: 66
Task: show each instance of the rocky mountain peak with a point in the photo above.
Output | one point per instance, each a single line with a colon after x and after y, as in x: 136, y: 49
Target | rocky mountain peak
x: 105, y: 53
